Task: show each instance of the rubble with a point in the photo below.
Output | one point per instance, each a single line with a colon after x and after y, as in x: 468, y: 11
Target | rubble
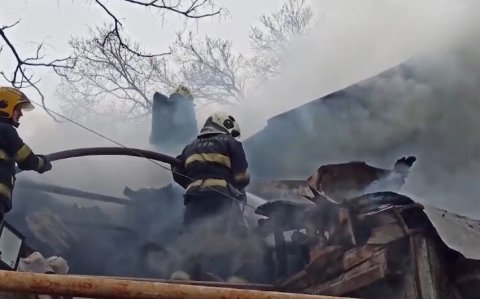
x: 37, y: 263
x: 366, y: 245
x: 344, y: 231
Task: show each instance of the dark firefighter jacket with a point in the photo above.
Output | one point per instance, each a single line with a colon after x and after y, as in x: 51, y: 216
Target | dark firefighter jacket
x: 214, y: 161
x: 13, y: 150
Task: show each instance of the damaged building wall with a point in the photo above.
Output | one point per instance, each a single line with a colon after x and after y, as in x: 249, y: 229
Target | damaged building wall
x: 311, y: 133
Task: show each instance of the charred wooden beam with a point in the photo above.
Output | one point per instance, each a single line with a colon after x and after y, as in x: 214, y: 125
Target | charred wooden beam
x: 364, y: 273
x: 280, y: 254
x: 49, y: 188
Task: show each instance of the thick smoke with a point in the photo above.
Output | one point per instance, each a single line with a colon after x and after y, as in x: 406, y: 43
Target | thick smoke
x: 446, y: 142
x: 141, y: 239
x: 109, y: 240
x: 427, y: 106
x: 107, y: 175
x: 115, y: 235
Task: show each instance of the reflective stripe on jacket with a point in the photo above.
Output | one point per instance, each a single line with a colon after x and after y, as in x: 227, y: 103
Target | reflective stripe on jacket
x: 13, y: 150
x: 215, y: 161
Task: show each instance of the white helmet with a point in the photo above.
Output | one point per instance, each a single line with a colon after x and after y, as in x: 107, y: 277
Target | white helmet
x: 221, y: 122
x: 183, y: 91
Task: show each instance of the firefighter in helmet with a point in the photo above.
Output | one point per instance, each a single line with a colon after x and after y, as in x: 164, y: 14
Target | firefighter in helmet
x: 12, y: 149
x: 214, y: 174
x: 181, y: 91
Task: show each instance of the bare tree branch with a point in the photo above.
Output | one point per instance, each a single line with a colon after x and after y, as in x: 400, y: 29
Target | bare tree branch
x: 210, y: 68
x: 110, y: 77
x: 276, y: 30
x: 189, y: 12
x: 22, y: 74
x: 20, y: 77
x: 115, y: 31
x: 10, y: 26
x: 111, y: 74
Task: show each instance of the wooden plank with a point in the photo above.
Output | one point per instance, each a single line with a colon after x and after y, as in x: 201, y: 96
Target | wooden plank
x: 356, y: 256
x: 363, y: 275
x: 316, y: 268
x: 298, y: 281
x: 432, y: 271
x: 386, y: 234
x: 317, y: 254
x: 379, y: 217
x: 332, y: 263
x: 425, y: 275
x: 104, y: 287
x: 352, y: 282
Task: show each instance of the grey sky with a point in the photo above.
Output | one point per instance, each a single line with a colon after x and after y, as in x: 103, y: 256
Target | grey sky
x: 55, y: 21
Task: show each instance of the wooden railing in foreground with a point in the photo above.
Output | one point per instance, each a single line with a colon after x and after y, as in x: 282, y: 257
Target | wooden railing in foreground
x: 105, y: 287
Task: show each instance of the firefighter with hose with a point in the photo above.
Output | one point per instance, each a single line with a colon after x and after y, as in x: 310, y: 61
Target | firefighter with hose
x: 214, y: 174
x: 12, y: 148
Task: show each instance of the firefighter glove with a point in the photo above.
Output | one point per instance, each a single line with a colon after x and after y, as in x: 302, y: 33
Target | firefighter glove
x: 45, y: 164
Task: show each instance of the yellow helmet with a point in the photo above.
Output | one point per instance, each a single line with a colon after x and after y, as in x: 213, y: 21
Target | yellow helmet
x: 184, y: 91
x: 10, y: 98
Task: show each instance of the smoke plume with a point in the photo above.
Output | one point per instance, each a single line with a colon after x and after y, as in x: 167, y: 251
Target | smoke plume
x: 426, y: 104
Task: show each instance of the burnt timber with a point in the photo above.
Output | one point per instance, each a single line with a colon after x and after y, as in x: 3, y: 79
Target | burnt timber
x: 374, y: 245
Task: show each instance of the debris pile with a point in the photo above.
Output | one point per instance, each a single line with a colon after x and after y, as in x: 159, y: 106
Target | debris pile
x: 348, y: 241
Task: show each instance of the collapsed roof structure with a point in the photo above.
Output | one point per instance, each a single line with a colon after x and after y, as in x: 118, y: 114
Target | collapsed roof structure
x: 363, y: 245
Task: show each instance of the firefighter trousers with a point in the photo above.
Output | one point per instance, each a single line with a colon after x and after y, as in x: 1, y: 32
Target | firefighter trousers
x: 212, y: 237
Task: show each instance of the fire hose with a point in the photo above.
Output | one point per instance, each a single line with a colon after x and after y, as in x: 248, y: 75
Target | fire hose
x: 111, y: 151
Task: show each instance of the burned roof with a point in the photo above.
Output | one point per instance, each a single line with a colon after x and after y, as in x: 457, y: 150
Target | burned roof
x: 290, y: 142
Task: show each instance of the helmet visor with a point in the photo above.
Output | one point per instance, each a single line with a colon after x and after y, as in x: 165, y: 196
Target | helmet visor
x: 25, y: 105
